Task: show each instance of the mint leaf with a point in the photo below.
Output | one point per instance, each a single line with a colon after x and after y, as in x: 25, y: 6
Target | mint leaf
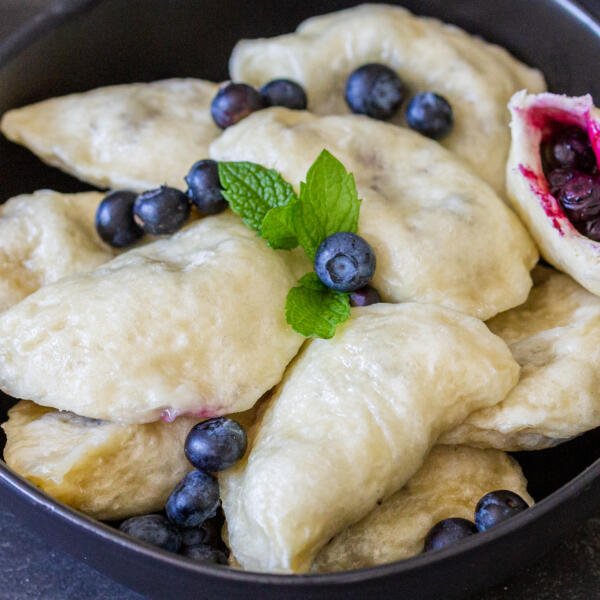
x: 278, y: 227
x: 314, y: 310
x: 253, y: 190
x: 328, y: 203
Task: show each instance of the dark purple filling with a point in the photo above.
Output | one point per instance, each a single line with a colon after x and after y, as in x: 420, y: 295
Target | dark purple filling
x: 572, y: 172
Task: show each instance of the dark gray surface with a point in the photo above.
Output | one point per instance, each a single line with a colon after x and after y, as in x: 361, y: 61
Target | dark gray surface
x: 30, y: 568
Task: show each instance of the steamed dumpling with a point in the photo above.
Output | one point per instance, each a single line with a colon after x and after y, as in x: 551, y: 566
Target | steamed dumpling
x: 190, y: 324
x: 477, y: 78
x: 135, y: 136
x: 441, y: 235
x: 45, y: 236
x: 555, y: 337
x: 449, y: 484
x: 352, y: 421
x: 559, y: 242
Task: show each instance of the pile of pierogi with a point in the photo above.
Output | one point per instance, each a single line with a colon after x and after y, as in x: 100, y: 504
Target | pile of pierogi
x: 357, y: 444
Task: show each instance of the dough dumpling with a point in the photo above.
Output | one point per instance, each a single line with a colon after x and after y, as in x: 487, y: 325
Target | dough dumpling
x: 135, y: 136
x: 441, y: 235
x: 558, y: 240
x: 45, y: 236
x: 555, y: 337
x: 352, y: 421
x: 477, y: 78
x: 192, y: 324
x: 449, y: 484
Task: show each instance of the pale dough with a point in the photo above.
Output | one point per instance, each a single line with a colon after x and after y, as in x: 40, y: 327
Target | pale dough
x: 190, y: 324
x: 449, y: 484
x: 477, y: 78
x: 134, y: 136
x: 352, y: 421
x: 46, y: 236
x: 559, y: 242
x: 555, y: 337
x: 440, y: 234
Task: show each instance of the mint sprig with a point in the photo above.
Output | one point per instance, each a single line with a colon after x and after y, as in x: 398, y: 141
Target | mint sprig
x: 328, y: 203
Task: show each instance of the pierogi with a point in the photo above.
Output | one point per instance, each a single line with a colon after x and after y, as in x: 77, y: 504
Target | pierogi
x: 352, y: 421
x: 441, y: 235
x: 46, y: 236
x: 449, y: 484
x: 477, y: 78
x: 555, y: 337
x: 559, y: 242
x: 135, y: 136
x: 191, y: 324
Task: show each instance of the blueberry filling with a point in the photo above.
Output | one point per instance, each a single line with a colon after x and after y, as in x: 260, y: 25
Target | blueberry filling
x: 573, y: 177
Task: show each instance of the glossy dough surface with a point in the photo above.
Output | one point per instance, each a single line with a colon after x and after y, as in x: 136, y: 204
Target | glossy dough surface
x: 555, y: 337
x: 135, y: 136
x: 441, y: 235
x: 477, y: 78
x: 45, y: 236
x: 194, y: 323
x: 449, y: 484
x: 352, y: 421
x: 559, y: 242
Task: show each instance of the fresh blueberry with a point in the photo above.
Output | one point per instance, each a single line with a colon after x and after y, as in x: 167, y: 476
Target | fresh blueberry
x: 155, y: 530
x: 234, y: 102
x: 374, y: 90
x: 114, y: 219
x: 284, y: 92
x: 496, y: 507
x: 430, y: 114
x: 591, y: 229
x: 204, y: 187
x: 579, y: 195
x: 345, y: 262
x: 448, y: 532
x: 208, y: 532
x: 569, y: 147
x: 216, y: 444
x: 365, y: 296
x: 161, y: 211
x: 203, y: 553
x: 194, y: 499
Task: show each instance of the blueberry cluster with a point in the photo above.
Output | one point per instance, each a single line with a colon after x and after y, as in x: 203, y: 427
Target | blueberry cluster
x: 573, y: 178
x: 235, y: 101
x: 193, y: 518
x: 494, y: 508
x: 377, y: 91
x: 123, y: 217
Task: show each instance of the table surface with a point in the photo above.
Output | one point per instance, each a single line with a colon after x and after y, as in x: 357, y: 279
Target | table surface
x: 30, y: 568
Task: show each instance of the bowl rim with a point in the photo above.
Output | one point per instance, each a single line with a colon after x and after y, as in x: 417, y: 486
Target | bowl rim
x: 32, y: 29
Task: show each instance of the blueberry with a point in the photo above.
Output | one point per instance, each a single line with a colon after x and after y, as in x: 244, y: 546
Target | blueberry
x: 448, y: 532
x: 591, y: 229
x: 216, y: 444
x: 374, y: 90
x: 203, y: 553
x: 345, y: 262
x: 579, y: 195
x: 496, y: 507
x: 234, y: 102
x: 284, y: 92
x: 430, y: 114
x: 161, y: 211
x: 194, y: 499
x: 114, y: 219
x: 365, y: 296
x: 569, y: 147
x: 208, y: 532
x: 204, y: 187
x: 155, y: 530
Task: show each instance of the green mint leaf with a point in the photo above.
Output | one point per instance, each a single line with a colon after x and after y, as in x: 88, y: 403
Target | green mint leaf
x: 328, y: 203
x: 253, y: 190
x: 314, y: 310
x: 278, y: 227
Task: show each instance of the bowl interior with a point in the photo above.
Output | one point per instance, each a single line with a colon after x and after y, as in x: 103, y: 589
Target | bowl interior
x: 144, y: 40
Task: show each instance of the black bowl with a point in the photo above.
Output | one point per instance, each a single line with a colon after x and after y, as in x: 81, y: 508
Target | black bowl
x: 80, y: 44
